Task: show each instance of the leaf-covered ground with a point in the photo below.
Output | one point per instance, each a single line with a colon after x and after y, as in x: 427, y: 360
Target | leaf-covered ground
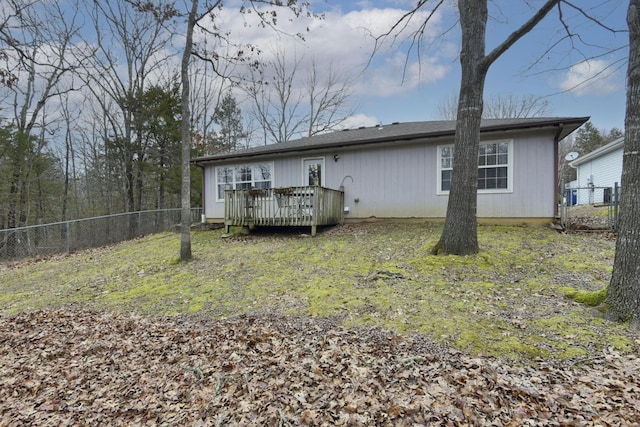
x: 357, y: 326
x: 77, y: 367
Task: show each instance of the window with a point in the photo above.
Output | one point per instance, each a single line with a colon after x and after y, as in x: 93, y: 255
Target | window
x: 312, y: 171
x: 495, y: 161
x: 243, y: 177
x: 446, y: 167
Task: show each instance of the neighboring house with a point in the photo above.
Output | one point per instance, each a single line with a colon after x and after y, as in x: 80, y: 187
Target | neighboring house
x: 597, y: 173
x: 401, y: 170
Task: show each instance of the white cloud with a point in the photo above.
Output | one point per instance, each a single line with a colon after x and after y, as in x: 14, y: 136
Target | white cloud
x: 358, y: 120
x: 346, y: 41
x: 397, y: 76
x: 591, y: 77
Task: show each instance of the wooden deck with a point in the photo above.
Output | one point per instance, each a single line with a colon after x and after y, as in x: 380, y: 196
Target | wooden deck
x: 288, y: 206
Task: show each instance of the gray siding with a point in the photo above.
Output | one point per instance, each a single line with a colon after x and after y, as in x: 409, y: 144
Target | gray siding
x: 400, y: 181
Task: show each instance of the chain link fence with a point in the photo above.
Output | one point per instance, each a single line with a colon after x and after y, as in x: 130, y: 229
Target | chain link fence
x: 68, y: 236
x: 590, y: 208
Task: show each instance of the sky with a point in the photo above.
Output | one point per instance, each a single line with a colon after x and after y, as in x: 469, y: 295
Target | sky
x: 397, y: 81
x: 578, y: 76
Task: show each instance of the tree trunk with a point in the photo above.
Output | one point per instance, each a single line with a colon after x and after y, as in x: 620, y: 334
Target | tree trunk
x: 460, y: 235
x: 185, y: 215
x: 623, y: 295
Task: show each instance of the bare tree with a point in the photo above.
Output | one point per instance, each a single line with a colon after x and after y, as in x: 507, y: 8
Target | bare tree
x: 100, y: 188
x: 8, y: 13
x: 129, y: 47
x: 277, y: 102
x: 185, y: 215
x: 209, y: 81
x: 623, y: 294
x: 39, y: 45
x: 327, y: 93
x: 459, y: 235
x: 69, y: 155
x: 195, y: 18
x: 288, y: 104
x: 500, y: 107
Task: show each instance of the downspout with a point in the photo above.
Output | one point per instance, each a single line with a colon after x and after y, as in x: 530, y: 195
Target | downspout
x: 556, y: 165
x: 203, y: 216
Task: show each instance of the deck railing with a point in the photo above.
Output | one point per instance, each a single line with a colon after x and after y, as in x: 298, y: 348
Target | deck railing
x: 288, y: 206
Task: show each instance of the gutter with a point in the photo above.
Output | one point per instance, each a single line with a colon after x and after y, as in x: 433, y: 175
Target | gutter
x: 556, y: 164
x: 203, y: 193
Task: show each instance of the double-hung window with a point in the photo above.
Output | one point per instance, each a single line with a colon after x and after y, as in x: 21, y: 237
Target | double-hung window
x: 495, y: 167
x: 244, y: 177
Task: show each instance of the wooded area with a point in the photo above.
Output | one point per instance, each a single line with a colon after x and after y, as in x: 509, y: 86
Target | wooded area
x: 91, y: 105
x: 93, y: 131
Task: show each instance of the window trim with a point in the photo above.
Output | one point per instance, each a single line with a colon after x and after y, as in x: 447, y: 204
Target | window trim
x: 253, y: 180
x: 323, y: 173
x: 509, y: 188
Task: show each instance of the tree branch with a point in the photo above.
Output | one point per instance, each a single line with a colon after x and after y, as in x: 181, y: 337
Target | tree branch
x: 519, y: 33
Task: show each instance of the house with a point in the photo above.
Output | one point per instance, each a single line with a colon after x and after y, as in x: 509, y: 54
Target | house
x: 400, y: 170
x: 598, y: 172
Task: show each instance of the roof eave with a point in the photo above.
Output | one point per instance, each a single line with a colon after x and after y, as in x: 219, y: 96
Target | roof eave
x: 567, y: 125
x: 612, y: 146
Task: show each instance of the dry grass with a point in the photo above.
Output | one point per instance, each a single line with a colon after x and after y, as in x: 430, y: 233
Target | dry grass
x: 507, y: 301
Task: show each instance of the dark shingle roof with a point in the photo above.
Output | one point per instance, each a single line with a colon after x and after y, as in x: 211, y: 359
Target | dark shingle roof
x: 396, y: 132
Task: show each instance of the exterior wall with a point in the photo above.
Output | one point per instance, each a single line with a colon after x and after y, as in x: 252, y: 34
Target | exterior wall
x: 401, y: 181
x: 534, y: 181
x: 603, y: 171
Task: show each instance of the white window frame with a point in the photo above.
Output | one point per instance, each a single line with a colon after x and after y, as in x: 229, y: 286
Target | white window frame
x: 509, y: 166
x: 305, y: 176
x: 253, y: 181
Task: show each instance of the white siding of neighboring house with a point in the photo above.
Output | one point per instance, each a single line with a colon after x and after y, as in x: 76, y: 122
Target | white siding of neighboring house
x: 400, y: 181
x: 602, y: 171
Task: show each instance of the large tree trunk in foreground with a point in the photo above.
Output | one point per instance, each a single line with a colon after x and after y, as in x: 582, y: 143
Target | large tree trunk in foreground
x: 185, y: 215
x: 460, y: 235
x: 623, y: 295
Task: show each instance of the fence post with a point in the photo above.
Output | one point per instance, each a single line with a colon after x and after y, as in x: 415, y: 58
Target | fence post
x: 68, y: 238
x: 139, y: 224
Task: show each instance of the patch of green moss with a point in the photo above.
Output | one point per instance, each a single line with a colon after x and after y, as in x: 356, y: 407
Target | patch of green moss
x: 494, y: 303
x: 570, y: 335
x: 621, y: 343
x: 589, y: 298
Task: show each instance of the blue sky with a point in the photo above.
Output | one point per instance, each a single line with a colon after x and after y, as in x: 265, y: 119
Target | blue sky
x: 543, y: 63
x: 582, y: 76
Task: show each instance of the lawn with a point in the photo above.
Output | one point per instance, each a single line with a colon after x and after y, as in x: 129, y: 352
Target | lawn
x: 507, y: 301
